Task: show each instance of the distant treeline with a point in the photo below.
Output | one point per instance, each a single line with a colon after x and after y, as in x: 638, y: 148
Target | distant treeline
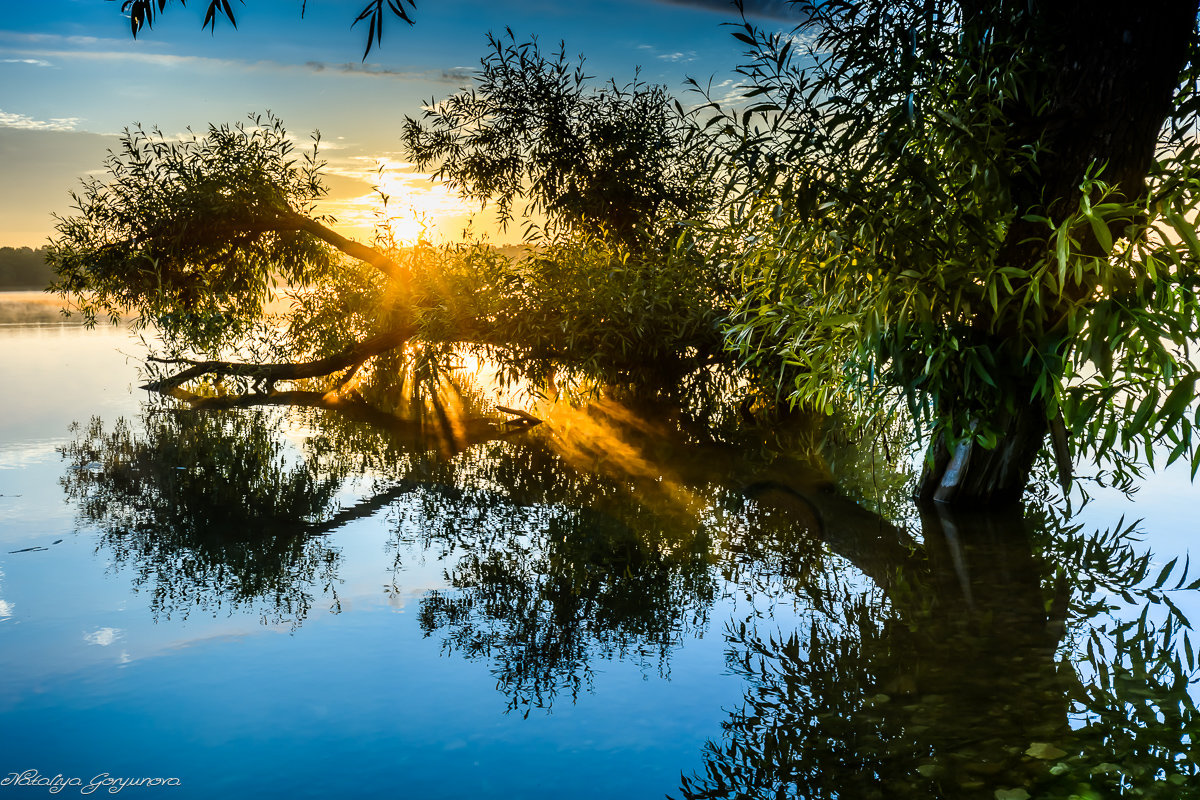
x: 24, y: 268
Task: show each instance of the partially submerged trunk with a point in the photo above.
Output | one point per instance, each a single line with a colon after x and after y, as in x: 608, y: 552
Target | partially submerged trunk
x: 1109, y: 73
x: 970, y: 475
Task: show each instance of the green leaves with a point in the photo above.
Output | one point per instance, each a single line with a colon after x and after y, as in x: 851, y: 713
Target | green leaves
x: 192, y: 232
x: 607, y: 161
x: 942, y: 274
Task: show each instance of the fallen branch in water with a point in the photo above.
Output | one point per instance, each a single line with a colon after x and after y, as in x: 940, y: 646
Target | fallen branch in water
x: 286, y: 371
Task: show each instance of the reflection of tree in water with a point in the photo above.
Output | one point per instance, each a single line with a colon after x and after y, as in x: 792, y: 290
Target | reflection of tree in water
x: 206, y: 509
x: 542, y: 592
x: 951, y: 679
x: 559, y: 554
x: 554, y: 565
x: 551, y: 564
x: 946, y: 678
x: 211, y: 508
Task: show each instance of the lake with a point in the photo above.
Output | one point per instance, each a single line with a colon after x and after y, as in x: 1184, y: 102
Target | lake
x: 289, y: 601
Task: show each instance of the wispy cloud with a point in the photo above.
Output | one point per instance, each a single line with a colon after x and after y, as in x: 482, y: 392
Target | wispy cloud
x: 56, y: 40
x: 806, y: 42
x: 455, y: 75
x: 165, y: 60
x: 678, y: 57
x: 25, y: 122
x: 769, y: 9
x: 727, y: 93
x: 37, y: 62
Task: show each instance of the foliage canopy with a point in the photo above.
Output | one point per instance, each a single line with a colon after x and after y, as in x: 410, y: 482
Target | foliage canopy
x: 192, y: 232
x: 610, y: 162
x: 198, y: 234
x: 974, y: 211
x: 944, y: 208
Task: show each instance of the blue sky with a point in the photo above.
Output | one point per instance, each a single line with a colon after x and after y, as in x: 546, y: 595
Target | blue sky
x: 72, y: 77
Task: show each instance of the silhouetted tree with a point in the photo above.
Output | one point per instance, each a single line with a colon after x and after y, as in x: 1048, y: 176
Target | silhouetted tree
x: 610, y: 161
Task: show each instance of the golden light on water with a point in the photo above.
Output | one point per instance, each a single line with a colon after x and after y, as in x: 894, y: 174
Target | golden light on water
x: 608, y: 437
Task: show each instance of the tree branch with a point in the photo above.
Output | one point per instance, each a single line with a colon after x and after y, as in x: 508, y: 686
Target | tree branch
x: 287, y: 371
x: 283, y: 221
x: 355, y: 249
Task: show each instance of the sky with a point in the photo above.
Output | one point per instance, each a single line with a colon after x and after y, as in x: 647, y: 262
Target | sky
x: 72, y: 78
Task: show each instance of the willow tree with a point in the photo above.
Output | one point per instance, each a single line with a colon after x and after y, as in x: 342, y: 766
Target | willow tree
x: 982, y: 210
x: 194, y: 234
x: 143, y: 13
x: 612, y: 161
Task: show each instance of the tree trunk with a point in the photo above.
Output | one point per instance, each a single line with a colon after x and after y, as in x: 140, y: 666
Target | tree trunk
x: 1109, y: 73
x: 971, y: 475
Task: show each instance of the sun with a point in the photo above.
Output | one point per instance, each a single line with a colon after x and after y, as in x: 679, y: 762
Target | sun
x: 403, y: 206
x: 411, y: 226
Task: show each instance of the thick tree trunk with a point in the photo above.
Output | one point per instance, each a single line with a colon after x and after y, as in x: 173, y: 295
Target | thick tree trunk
x: 354, y: 249
x: 970, y: 475
x: 1109, y: 72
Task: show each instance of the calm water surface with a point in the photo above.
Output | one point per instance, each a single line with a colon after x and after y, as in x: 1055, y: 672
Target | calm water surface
x: 290, y: 602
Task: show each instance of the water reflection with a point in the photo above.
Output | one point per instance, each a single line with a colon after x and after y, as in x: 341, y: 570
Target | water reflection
x: 205, y: 510
x: 543, y: 592
x: 971, y: 656
x: 961, y: 676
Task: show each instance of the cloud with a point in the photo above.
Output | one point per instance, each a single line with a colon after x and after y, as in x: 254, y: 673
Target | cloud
x: 768, y: 9
x: 806, y: 43
x: 726, y: 93
x: 57, y: 40
x: 25, y: 122
x: 156, y: 59
x: 455, y: 75
x: 678, y: 58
